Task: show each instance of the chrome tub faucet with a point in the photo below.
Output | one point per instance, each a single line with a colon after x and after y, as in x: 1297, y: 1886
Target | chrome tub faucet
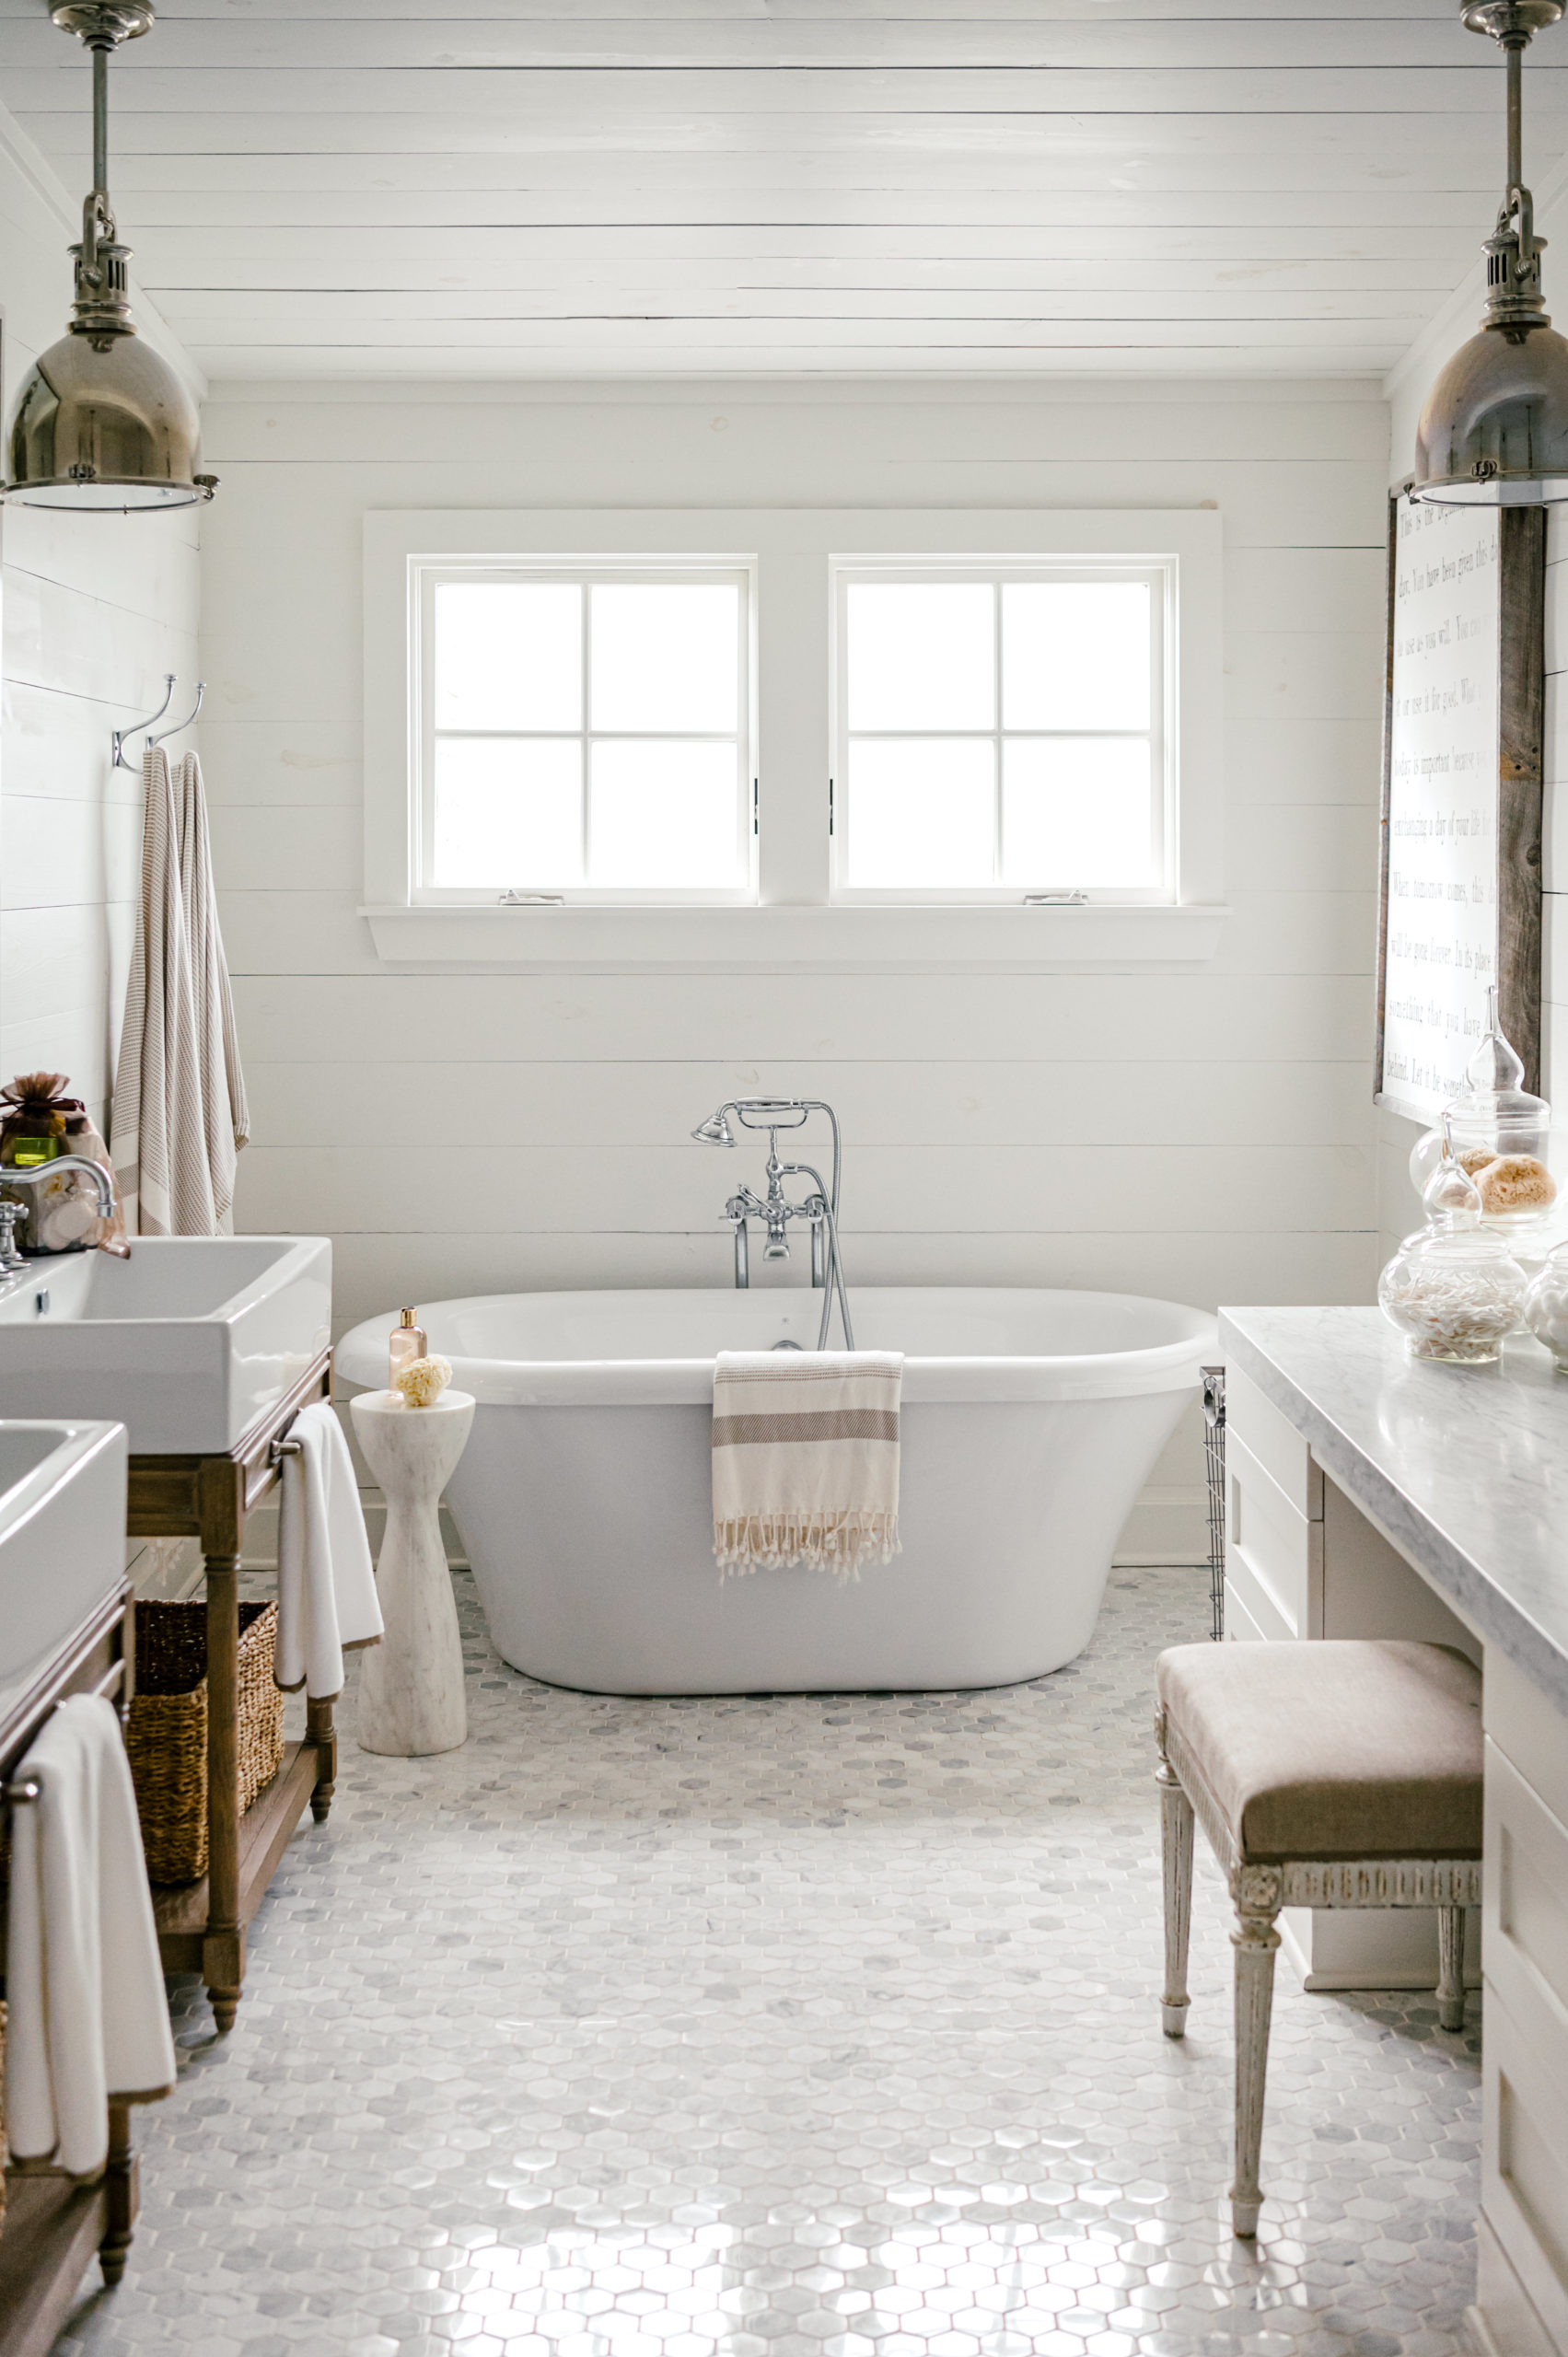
x: 775, y: 1210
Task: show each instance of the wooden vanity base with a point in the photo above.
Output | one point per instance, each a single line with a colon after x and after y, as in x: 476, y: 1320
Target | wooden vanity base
x: 52, y: 2224
x: 201, y: 1925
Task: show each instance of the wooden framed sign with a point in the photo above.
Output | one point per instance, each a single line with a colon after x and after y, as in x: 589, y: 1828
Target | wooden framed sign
x: 1460, y: 845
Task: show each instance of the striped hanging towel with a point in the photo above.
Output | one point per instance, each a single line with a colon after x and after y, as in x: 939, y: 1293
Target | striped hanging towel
x: 805, y: 1459
x: 180, y: 1115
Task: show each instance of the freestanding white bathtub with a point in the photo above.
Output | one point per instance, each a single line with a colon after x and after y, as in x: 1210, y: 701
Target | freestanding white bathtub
x: 1031, y: 1422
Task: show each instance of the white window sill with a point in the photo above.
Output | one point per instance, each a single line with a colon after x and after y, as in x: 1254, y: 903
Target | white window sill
x: 584, y: 937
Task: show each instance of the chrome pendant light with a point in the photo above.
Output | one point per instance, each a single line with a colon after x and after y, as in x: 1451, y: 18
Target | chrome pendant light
x: 103, y: 423
x: 1494, y: 430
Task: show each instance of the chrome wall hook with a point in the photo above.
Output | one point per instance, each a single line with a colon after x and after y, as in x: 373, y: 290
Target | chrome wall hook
x: 187, y: 722
x: 136, y: 726
x: 122, y: 736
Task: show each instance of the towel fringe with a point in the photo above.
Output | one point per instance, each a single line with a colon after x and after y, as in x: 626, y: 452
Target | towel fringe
x: 827, y: 1541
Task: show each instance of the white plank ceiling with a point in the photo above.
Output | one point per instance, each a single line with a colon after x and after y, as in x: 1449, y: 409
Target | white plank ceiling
x: 584, y: 187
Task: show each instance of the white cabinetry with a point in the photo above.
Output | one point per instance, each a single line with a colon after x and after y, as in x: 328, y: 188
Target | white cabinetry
x: 1522, y: 2263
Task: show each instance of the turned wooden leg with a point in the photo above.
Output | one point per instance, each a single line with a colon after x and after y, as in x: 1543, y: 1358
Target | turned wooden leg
x: 1451, y: 1966
x: 322, y: 1732
x: 1176, y: 1840
x: 223, y: 1949
x: 123, y: 2187
x: 1256, y: 1890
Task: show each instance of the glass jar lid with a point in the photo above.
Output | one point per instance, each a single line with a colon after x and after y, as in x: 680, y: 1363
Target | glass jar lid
x: 1494, y: 1090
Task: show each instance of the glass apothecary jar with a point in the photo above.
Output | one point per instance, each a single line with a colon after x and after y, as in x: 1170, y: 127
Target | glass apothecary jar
x: 1546, y: 1306
x: 1454, y: 1290
x: 1499, y: 1134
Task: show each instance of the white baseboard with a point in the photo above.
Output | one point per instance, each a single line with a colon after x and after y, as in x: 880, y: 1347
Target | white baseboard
x: 1378, y: 1976
x: 262, y: 1532
x: 1166, y: 1526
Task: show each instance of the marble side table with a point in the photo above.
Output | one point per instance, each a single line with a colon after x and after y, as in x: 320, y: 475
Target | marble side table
x: 411, y: 1688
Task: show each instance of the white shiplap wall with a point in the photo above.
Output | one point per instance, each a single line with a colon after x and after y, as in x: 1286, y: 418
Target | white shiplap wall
x: 97, y: 609
x: 1202, y: 1133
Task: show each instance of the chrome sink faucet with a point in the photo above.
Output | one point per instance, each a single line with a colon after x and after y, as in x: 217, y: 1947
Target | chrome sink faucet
x: 33, y: 1174
x: 775, y: 1210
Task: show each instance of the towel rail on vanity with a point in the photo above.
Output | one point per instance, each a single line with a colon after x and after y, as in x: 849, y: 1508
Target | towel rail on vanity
x: 52, y: 2225
x: 202, y: 1925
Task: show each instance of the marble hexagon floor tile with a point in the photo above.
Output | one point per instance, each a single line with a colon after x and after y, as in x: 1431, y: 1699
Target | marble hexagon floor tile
x: 808, y: 2027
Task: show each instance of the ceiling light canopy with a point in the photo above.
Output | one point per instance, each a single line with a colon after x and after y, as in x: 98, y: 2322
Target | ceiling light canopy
x: 103, y: 423
x: 1494, y: 430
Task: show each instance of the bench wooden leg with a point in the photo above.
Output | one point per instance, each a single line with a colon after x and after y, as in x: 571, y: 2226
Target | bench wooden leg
x: 1451, y: 1966
x: 1176, y: 1841
x: 1256, y: 1893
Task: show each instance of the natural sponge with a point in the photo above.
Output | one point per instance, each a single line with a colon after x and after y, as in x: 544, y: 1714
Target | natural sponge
x: 1515, y: 1182
x: 423, y: 1381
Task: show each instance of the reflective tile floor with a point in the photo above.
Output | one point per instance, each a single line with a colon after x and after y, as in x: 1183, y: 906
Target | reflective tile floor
x: 806, y: 2027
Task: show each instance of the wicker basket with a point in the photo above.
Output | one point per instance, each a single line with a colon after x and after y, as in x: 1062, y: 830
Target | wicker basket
x: 165, y: 1732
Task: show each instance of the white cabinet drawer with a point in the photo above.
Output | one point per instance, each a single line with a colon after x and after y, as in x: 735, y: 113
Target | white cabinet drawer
x: 1524, y: 2146
x: 1526, y: 1912
x: 1240, y: 1629
x: 1274, y: 1442
x: 1274, y: 1554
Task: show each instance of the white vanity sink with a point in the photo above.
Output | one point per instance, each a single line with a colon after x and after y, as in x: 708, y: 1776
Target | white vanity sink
x: 187, y: 1343
x: 61, y: 1538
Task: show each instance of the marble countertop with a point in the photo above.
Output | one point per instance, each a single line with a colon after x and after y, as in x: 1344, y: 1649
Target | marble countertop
x: 1466, y: 1468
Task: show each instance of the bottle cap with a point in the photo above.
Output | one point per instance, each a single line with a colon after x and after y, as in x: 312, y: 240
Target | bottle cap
x: 405, y: 1317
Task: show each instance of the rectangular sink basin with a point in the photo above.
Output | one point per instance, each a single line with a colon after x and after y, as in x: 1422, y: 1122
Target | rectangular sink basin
x: 62, y: 1539
x: 188, y: 1343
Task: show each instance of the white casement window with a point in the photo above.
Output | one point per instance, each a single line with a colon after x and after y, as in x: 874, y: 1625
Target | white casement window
x: 1001, y: 729
x: 585, y: 730
x: 795, y: 738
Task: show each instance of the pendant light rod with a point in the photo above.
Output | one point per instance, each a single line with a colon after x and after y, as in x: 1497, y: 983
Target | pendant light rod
x: 101, y: 48
x: 1514, y: 48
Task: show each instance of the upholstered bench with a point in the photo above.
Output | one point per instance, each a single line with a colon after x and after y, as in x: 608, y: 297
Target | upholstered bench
x: 1324, y: 1774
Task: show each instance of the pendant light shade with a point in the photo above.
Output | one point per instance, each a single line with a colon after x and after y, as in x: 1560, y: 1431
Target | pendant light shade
x: 1494, y: 430
x: 103, y: 423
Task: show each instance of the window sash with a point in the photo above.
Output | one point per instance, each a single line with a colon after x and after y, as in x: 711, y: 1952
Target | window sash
x: 585, y: 576
x: 1160, y: 734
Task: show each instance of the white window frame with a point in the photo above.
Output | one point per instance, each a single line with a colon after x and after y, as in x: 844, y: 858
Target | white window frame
x: 1160, y: 574
x: 426, y: 575
x: 794, y: 920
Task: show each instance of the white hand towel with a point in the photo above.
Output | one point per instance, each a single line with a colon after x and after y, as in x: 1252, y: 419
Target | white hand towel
x: 326, y: 1600
x: 806, y: 1458
x: 88, y: 2017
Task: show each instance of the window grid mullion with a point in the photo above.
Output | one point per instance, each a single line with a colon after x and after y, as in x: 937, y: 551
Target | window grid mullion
x: 584, y: 718
x: 996, y: 844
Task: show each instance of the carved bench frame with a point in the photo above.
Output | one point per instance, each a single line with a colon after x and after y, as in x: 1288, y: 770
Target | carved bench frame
x: 1258, y: 1893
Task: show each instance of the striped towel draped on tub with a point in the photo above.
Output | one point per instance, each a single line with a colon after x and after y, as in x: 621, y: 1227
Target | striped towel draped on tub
x: 806, y: 1458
